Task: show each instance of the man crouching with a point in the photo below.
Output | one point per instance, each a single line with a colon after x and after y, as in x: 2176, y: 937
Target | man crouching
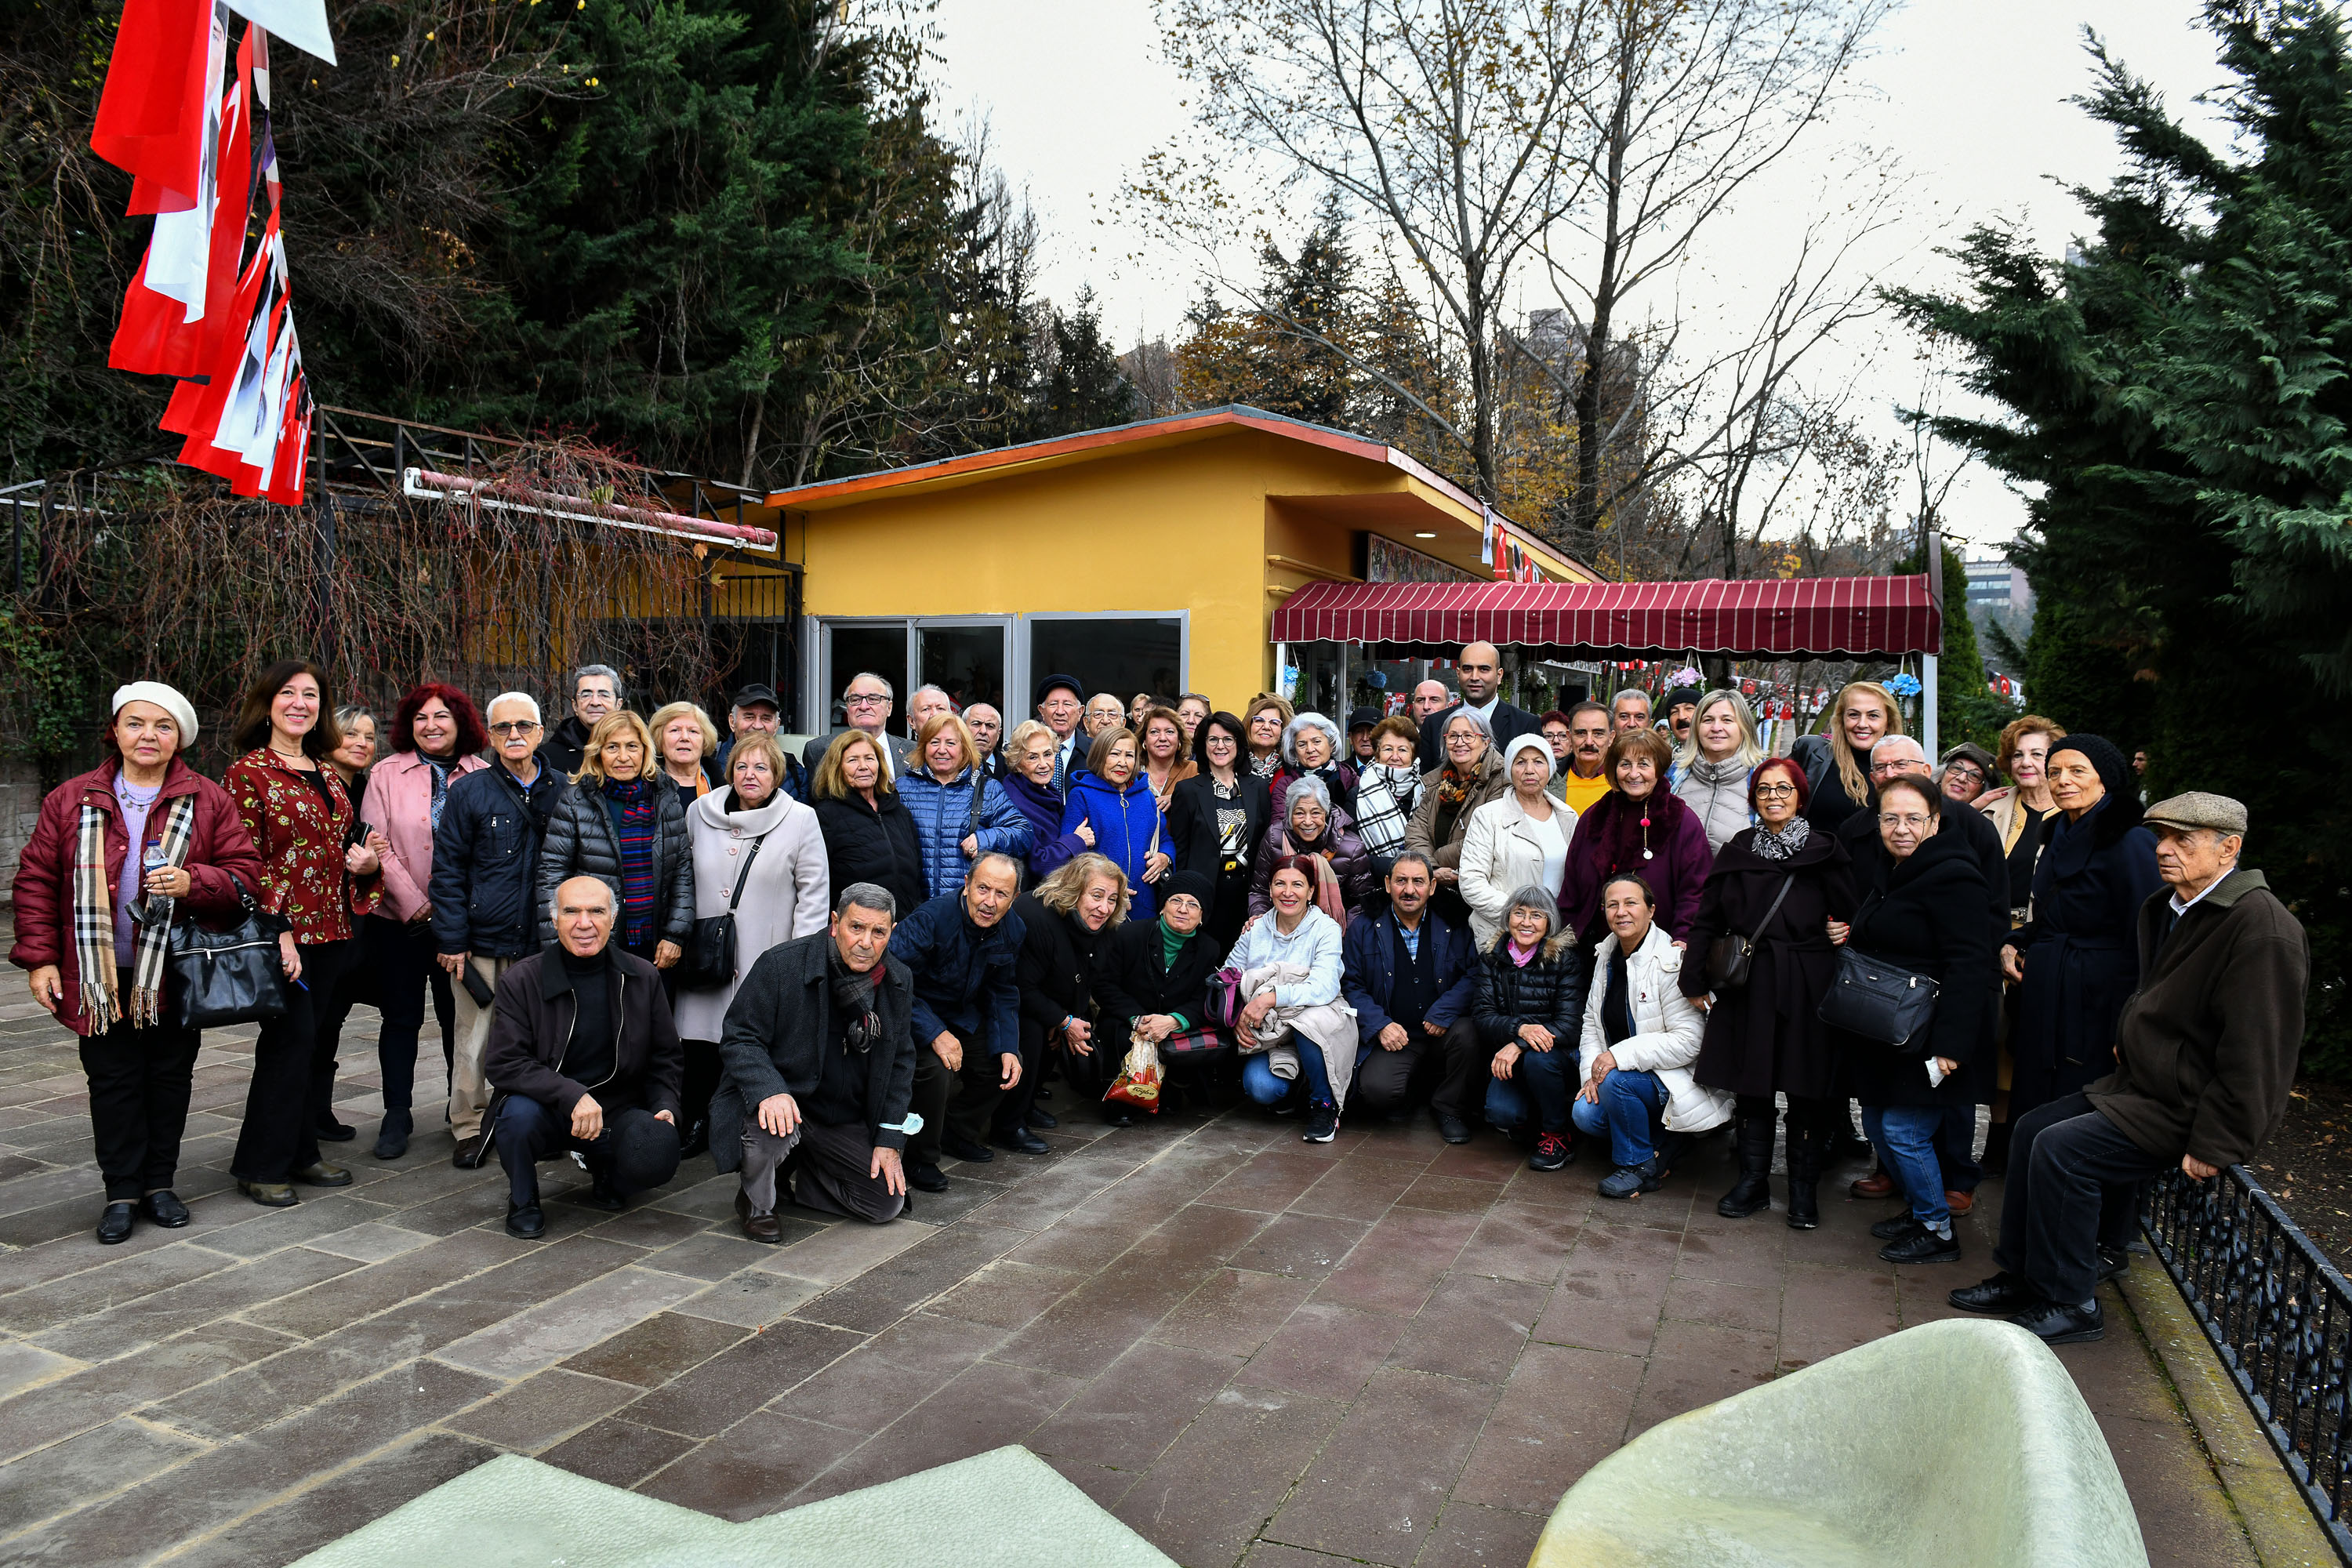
x: 818, y: 1059
x: 583, y: 1058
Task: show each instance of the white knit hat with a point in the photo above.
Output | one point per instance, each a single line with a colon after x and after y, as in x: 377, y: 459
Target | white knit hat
x: 1531, y: 743
x: 163, y: 697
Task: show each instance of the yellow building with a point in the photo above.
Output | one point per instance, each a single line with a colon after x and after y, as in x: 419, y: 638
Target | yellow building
x: 1148, y: 557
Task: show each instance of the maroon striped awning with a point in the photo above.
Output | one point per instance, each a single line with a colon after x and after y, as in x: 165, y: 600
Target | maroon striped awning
x: 1806, y: 618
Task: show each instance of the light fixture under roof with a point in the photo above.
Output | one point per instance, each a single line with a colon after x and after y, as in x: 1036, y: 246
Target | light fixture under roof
x: 1425, y: 536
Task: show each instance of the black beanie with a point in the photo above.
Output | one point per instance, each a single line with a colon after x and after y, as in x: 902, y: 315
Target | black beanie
x: 2122, y: 810
x: 1184, y: 882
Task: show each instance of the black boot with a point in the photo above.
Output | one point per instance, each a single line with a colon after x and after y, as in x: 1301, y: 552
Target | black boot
x: 1805, y: 1148
x: 1754, y: 1188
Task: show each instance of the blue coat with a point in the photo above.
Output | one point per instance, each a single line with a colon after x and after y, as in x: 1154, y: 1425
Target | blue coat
x: 965, y: 976
x: 1127, y: 827
x: 1368, y: 953
x: 944, y: 817
x: 2081, y: 958
x: 486, y: 861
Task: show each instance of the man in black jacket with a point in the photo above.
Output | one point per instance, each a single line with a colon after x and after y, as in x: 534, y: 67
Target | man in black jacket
x: 583, y: 1056
x: 819, y: 1070
x: 1480, y: 672
x: 962, y: 950
x: 1408, y: 974
x: 595, y: 692
x: 485, y: 866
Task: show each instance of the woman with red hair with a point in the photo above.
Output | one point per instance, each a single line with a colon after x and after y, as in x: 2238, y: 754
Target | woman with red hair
x: 1778, y: 885
x: 435, y: 737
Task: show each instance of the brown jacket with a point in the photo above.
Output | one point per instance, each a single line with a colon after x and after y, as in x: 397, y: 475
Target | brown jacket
x: 1420, y: 833
x: 2206, y: 1048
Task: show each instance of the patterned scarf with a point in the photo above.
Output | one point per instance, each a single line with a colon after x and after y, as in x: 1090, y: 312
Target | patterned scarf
x: 440, y: 792
x: 636, y: 822
x: 1783, y: 845
x: 1267, y: 767
x: 1384, y: 802
x: 93, y: 920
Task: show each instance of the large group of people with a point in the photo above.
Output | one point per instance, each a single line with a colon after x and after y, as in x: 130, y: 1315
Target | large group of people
x: 1614, y: 927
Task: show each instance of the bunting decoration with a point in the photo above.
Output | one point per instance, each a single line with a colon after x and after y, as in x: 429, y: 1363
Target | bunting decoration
x: 210, y: 304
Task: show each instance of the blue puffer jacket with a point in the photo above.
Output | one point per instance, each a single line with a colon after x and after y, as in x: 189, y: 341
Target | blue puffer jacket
x: 1127, y: 827
x: 943, y: 818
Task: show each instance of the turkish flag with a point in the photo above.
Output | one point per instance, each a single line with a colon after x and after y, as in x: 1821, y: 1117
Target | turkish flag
x: 161, y: 85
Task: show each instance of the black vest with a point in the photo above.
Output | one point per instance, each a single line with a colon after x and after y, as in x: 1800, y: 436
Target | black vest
x: 1414, y: 990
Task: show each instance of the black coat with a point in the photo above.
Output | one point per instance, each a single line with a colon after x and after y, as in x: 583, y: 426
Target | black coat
x: 1768, y: 1035
x: 580, y: 842
x: 1193, y: 822
x: 1860, y: 836
x: 565, y: 748
x: 1925, y: 914
x: 486, y: 861
x: 531, y: 1029
x: 1549, y: 991
x: 779, y: 1021
x: 875, y: 843
x: 1827, y: 806
x: 1134, y: 980
x: 1056, y: 970
x: 2081, y: 955
x: 1508, y: 723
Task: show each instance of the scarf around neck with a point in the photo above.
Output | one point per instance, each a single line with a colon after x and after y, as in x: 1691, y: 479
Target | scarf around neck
x: 1784, y: 844
x: 851, y: 996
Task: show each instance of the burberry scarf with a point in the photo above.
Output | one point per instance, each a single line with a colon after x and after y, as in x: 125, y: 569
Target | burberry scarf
x: 93, y: 922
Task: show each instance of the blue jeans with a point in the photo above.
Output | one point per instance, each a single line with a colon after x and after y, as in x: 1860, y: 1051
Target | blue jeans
x: 1631, y: 1110
x: 1260, y: 1084
x: 1905, y: 1136
x: 1540, y: 1078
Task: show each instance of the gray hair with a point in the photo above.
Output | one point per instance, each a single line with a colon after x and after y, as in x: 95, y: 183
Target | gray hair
x: 988, y: 856
x: 555, y: 900
x: 866, y: 896
x: 1307, y: 787
x: 1291, y: 730
x: 927, y: 686
x: 525, y: 698
x: 887, y: 690
x: 1533, y: 897
x: 1885, y: 740
x: 606, y: 670
x: 1469, y: 715
x: 1429, y: 867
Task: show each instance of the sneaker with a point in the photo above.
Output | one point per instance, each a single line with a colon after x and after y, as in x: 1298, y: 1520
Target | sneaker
x: 2113, y: 1263
x: 1631, y: 1181
x: 1551, y: 1153
x: 1322, y: 1123
x: 1922, y: 1246
x: 1895, y: 1227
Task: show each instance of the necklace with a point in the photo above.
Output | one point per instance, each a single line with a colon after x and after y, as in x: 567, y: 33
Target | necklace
x: 1646, y: 852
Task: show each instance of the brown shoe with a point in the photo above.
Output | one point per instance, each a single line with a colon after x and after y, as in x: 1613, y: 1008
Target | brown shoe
x: 324, y: 1176
x: 1877, y: 1185
x: 1960, y: 1203
x: 470, y: 1151
x: 758, y: 1226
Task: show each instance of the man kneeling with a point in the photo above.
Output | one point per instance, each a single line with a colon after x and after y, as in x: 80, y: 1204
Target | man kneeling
x: 818, y: 1058
x: 583, y: 1058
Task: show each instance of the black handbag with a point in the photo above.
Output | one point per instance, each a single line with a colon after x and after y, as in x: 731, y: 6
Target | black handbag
x: 1729, y: 956
x: 218, y: 978
x: 708, y: 963
x: 1879, y: 1001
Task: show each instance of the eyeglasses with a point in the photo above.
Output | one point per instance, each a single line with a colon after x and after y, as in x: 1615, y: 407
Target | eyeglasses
x: 1876, y: 768
x: 1966, y: 772
x: 515, y: 727
x: 864, y: 699
x: 1909, y: 820
x: 1774, y: 790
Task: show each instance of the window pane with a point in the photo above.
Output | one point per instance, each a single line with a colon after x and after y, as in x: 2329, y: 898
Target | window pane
x: 1121, y: 656
x: 967, y: 662
x: 882, y: 650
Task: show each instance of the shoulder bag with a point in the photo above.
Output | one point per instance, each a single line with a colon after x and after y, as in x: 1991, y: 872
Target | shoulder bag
x: 708, y: 962
x: 1729, y: 956
x: 1876, y: 1001
x: 220, y: 978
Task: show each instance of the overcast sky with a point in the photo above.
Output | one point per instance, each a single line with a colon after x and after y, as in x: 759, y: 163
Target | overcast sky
x: 1969, y: 95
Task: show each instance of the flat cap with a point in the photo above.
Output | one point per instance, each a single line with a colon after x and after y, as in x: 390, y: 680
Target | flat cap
x: 1072, y: 682
x: 2199, y: 809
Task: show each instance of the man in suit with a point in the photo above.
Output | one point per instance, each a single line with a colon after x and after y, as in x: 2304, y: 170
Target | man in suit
x: 1060, y: 700
x: 865, y: 702
x: 1480, y: 671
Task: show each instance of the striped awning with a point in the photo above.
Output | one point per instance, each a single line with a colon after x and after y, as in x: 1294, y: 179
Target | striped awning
x: 1806, y: 618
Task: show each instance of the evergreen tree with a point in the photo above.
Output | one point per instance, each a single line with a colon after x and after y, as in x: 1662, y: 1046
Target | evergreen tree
x: 1084, y: 389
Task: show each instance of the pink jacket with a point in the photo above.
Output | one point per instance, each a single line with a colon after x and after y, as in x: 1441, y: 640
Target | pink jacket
x: 398, y: 806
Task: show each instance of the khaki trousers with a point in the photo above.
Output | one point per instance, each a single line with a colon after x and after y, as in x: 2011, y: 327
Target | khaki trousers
x: 469, y: 1091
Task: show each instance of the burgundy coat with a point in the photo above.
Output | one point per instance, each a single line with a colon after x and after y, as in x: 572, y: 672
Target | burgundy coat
x: 1677, y: 869
x: 218, y: 848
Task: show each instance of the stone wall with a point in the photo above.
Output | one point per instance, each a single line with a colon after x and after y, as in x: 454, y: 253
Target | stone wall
x: 20, y: 807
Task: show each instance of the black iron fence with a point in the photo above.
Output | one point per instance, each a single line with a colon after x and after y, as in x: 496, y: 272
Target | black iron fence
x: 2279, y: 1315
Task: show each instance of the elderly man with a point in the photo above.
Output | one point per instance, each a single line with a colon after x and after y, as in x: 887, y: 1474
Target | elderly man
x: 757, y: 711
x: 1408, y: 974
x: 583, y: 1058
x: 2205, y: 1058
x: 1630, y: 709
x: 1480, y: 671
x: 1682, y: 709
x: 819, y: 1054
x: 961, y: 950
x: 866, y: 703
x: 1429, y: 697
x: 1104, y: 714
x: 595, y: 692
x: 485, y: 866
x: 1060, y: 700
x: 987, y: 727
x: 1584, y: 780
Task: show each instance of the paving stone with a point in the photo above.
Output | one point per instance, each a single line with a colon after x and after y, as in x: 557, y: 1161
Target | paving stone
x: 1324, y: 1350
x: 650, y: 1353
x: 1130, y: 1413
x: 83, y: 1470
x: 763, y: 1366
x: 1377, y: 1487
x: 1473, y: 1328
x: 1208, y: 1497
x: 844, y: 1251
x: 1232, y: 1312
x: 23, y: 1365
x: 1008, y: 1294
x: 618, y: 1452
x: 544, y: 1408
x: 82, y: 1400
x: 984, y: 1406
x: 372, y: 1242
x: 120, y: 1330
x: 341, y: 1503
x: 1563, y: 1411
x: 891, y: 1289
x: 750, y: 1296
x: 544, y: 1335
x: 897, y: 1370
x: 754, y: 1468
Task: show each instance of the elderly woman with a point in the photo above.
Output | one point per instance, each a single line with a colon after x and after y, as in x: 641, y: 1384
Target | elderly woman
x: 437, y: 736
x: 1155, y: 982
x: 1316, y: 828
x: 1528, y: 1009
x: 352, y: 759
x: 1776, y: 885
x: 2078, y: 959
x: 1311, y: 748
x: 1862, y: 713
x: 1068, y: 923
x: 1640, y: 1036
x: 168, y: 841
x: 2020, y: 811
x: 1514, y: 843
x: 1167, y: 754
x: 1294, y: 1024
x: 1388, y: 787
x: 1471, y: 775
x: 960, y: 813
x: 759, y: 856
x: 622, y: 824
x: 1638, y: 826
x: 1218, y: 819
x: 1030, y: 753
x: 1264, y: 723
x: 868, y: 835
x: 1924, y: 913
x: 685, y: 740
x: 1711, y: 767
x: 1965, y: 774
x: 1110, y: 811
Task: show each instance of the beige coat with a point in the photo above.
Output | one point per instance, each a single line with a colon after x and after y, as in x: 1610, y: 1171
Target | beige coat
x: 1493, y: 783
x: 789, y: 893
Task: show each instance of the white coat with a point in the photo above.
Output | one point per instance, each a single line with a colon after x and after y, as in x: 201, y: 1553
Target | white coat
x: 1666, y: 1030
x: 789, y: 894
x: 1503, y: 852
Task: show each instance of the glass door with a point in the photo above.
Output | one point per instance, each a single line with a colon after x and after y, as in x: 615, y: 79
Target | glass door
x: 851, y: 647
x: 965, y: 658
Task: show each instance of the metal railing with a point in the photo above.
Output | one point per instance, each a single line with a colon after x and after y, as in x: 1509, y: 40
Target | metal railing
x: 2278, y: 1314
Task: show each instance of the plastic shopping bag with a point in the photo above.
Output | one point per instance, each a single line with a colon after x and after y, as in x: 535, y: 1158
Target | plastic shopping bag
x: 1139, y: 1077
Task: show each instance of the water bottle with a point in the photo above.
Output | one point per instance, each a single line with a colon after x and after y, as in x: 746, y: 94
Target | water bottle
x: 153, y: 857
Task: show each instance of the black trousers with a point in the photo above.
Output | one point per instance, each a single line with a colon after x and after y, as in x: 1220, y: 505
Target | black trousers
x: 138, y: 1102
x: 1955, y: 1138
x: 974, y: 1089
x: 358, y: 985
x: 280, y: 1134
x: 702, y: 1074
x: 1013, y: 1105
x: 634, y: 1152
x: 402, y: 955
x: 2072, y: 1172
x: 1384, y: 1081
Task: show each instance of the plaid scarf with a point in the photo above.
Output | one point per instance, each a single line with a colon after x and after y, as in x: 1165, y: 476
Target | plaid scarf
x: 1385, y: 797
x: 93, y: 922
x: 637, y: 821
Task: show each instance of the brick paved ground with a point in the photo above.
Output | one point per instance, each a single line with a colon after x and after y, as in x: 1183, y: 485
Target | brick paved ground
x: 1251, y: 1348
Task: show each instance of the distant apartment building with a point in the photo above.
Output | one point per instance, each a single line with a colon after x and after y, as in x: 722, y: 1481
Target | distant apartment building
x: 1999, y: 588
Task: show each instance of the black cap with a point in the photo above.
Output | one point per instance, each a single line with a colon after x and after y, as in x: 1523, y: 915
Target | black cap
x: 755, y: 693
x: 1078, y: 688
x: 1193, y: 882
x: 1363, y: 719
x: 1681, y: 695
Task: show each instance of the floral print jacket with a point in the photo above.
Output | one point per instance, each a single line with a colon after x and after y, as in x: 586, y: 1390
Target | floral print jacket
x: 300, y: 838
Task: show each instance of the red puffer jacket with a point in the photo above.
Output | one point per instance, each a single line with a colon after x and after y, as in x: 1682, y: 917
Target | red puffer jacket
x: 219, y: 848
